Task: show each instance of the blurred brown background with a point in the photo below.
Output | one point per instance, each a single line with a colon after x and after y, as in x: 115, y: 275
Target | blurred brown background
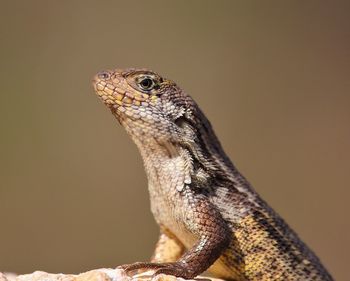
x: 272, y: 76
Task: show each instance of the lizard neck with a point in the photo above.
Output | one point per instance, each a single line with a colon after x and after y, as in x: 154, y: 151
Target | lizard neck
x: 167, y: 167
x: 187, y: 152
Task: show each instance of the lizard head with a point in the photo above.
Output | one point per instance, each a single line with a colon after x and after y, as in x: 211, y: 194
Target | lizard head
x: 146, y: 104
x: 161, y: 118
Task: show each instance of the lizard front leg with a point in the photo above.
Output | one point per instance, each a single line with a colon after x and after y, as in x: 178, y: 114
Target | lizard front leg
x: 203, y: 220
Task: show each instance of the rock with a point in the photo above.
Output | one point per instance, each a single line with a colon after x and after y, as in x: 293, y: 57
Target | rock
x: 2, y: 277
x: 103, y: 274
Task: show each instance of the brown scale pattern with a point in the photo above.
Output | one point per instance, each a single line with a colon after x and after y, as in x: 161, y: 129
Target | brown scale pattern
x: 209, y: 215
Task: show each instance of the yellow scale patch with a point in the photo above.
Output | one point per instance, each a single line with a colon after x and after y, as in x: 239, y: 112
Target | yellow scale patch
x: 254, y: 264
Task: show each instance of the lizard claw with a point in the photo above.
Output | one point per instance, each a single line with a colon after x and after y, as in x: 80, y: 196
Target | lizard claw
x: 175, y: 269
x: 141, y: 266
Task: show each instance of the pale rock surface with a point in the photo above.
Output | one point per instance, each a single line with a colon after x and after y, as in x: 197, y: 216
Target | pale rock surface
x: 103, y: 274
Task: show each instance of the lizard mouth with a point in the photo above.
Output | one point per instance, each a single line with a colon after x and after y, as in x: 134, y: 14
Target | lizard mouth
x: 115, y: 96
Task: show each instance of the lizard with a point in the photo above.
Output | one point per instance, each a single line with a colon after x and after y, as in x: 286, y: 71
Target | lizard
x: 210, y: 217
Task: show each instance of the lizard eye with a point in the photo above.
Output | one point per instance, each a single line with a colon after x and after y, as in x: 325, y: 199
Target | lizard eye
x: 147, y: 84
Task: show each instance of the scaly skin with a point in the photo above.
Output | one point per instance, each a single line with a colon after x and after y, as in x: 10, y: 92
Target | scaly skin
x: 209, y: 215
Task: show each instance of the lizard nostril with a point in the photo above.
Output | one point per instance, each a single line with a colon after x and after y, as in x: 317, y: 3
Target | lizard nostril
x: 103, y: 75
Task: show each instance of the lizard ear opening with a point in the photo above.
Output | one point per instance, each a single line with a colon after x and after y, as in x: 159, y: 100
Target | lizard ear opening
x: 181, y: 121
